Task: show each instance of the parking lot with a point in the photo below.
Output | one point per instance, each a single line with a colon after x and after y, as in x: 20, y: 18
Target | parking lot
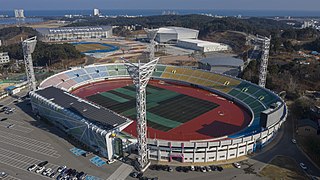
x: 25, y: 140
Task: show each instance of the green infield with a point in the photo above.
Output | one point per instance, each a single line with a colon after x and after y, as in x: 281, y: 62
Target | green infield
x: 165, y: 109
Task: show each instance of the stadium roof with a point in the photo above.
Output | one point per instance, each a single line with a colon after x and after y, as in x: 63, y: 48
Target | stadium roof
x: 93, y: 113
x: 173, y: 29
x: 222, y: 60
x: 61, y: 30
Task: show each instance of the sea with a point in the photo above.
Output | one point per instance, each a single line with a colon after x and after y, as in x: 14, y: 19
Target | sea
x: 39, y: 15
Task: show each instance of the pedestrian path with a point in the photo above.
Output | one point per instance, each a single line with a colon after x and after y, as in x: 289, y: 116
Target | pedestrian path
x: 121, y: 173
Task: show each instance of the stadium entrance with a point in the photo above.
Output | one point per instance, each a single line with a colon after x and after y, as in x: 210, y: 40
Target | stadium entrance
x: 118, y: 147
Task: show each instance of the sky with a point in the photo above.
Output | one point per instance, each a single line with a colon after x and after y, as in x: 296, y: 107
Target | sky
x: 302, y: 5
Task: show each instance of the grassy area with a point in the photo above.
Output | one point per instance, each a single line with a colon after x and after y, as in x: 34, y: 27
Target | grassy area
x: 90, y: 47
x: 311, y: 146
x: 282, y: 167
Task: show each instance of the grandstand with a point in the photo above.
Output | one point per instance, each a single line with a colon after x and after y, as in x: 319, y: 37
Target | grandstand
x: 195, y: 137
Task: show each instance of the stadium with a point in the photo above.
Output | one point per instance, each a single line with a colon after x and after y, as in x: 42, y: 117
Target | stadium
x: 192, y: 115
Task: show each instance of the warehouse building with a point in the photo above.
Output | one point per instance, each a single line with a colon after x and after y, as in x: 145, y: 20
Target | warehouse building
x: 75, y: 33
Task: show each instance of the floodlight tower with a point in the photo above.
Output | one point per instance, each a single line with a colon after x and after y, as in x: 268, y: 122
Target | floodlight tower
x: 264, y: 60
x: 152, y: 33
x: 141, y: 74
x: 28, y: 47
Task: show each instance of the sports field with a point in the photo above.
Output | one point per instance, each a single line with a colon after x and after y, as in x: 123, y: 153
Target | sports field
x: 90, y: 47
x: 165, y: 109
x: 174, y: 112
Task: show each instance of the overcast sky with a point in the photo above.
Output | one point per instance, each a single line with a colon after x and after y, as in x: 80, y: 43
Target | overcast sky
x: 312, y: 5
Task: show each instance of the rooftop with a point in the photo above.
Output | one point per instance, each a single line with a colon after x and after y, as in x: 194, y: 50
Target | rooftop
x: 173, y: 29
x: 93, y: 113
x: 222, y: 60
x: 73, y: 29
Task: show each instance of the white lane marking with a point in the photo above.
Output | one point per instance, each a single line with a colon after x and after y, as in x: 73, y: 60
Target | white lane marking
x: 25, y: 139
x: 47, y: 152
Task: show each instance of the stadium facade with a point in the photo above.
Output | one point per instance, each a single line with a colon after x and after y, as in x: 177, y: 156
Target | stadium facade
x: 267, y: 113
x: 75, y: 33
x: 187, y: 38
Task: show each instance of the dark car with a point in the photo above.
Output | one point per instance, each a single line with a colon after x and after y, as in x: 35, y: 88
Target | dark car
x: 134, y: 174
x: 43, y: 163
x: 219, y: 168
x: 186, y: 169
x: 179, y: 168
x: 140, y: 175
x: 213, y: 168
x: 152, y: 167
x: 3, y: 119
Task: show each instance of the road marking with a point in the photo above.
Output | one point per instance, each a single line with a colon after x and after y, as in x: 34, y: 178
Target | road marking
x: 25, y: 139
x: 9, y: 177
x: 29, y: 146
x: 17, y: 127
x: 121, y: 173
x: 20, y: 161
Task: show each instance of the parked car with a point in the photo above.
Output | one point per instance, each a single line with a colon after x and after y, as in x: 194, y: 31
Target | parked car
x: 47, y: 172
x: 192, y: 168
x: 40, y: 169
x: 219, y: 168
x: 170, y: 169
x: 179, y: 168
x: 61, y: 168
x: 303, y: 166
x: 293, y: 141
x: 52, y: 175
x: 203, y: 169
x: 213, y: 167
x: 81, y: 175
x: 208, y: 168
x: 10, y: 125
x: 134, y: 174
x: 237, y: 165
x: 3, y: 119
x: 43, y: 163
x: 32, y: 167
x: 3, y: 175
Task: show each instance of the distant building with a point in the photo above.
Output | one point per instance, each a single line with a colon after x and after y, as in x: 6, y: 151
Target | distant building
x: 187, y: 38
x: 19, y: 13
x: 96, y: 12
x: 223, y: 64
x: 4, y: 58
x: 75, y: 33
x: 203, y: 46
x: 307, y: 127
x: 307, y: 24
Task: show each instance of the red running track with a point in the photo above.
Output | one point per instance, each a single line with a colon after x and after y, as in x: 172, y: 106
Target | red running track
x: 224, y: 120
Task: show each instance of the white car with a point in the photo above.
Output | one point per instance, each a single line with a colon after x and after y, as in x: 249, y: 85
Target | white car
x: 294, y: 141
x: 237, y: 165
x: 47, y: 172
x: 61, y: 168
x: 33, y: 167
x: 40, y: 169
x: 303, y: 166
x: 203, y: 169
x: 192, y: 168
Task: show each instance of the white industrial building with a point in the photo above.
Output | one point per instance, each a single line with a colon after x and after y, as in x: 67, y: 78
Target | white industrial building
x: 4, y: 58
x: 19, y: 13
x: 200, y: 45
x: 75, y: 33
x: 96, y: 12
x: 187, y: 38
x: 169, y: 35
